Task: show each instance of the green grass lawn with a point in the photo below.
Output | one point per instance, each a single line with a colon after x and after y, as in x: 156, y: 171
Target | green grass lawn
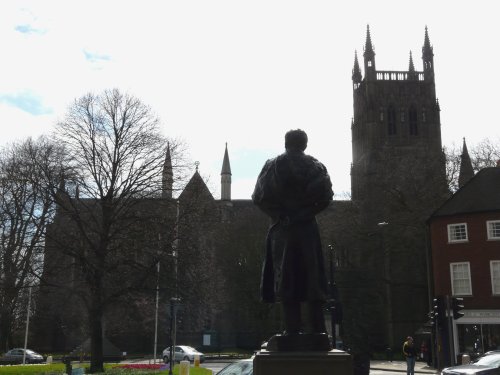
x: 111, y: 369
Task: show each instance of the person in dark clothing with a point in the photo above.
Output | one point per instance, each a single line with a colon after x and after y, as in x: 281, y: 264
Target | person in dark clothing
x: 410, y: 354
x: 292, y: 188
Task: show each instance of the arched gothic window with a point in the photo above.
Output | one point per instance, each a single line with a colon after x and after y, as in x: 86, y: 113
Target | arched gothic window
x: 412, y: 117
x: 391, y: 120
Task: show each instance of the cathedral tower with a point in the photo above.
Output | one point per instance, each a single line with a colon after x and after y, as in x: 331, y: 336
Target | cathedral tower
x: 397, y: 180
x: 396, y: 118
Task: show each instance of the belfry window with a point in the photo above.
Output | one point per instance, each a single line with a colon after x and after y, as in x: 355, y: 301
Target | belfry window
x: 412, y: 116
x: 391, y: 121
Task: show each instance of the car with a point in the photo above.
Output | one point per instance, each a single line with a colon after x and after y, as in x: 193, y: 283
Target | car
x: 242, y: 367
x: 182, y: 353
x: 485, y: 365
x: 16, y: 356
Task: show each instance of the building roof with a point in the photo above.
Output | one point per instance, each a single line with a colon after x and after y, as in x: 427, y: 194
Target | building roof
x: 480, y: 194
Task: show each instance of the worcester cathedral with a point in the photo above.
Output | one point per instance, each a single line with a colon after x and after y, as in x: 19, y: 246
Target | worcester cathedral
x: 375, y: 245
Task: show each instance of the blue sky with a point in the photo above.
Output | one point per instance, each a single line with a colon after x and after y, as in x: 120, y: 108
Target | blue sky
x: 243, y: 72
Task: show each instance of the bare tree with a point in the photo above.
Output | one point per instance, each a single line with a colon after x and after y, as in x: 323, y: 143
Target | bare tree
x: 114, y: 168
x: 25, y: 208
x: 484, y: 154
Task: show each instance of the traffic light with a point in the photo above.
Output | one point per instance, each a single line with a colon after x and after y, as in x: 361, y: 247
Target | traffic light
x: 437, y: 313
x: 457, y: 305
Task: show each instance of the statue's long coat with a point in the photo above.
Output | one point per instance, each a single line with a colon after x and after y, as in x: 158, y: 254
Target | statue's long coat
x: 292, y: 188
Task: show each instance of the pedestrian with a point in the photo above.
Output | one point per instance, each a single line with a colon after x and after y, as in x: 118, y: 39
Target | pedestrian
x: 409, y: 353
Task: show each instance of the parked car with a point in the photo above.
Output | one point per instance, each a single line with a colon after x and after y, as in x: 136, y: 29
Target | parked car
x: 16, y: 356
x: 182, y: 353
x: 242, y: 367
x: 485, y: 365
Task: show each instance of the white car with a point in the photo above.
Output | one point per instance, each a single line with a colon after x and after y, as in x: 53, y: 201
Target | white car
x: 16, y: 356
x: 182, y: 353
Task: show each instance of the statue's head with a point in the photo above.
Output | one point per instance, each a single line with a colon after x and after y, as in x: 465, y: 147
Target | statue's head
x: 296, y: 140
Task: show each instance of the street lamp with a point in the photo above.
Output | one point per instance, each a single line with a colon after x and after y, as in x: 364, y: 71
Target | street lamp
x: 174, y: 303
x: 27, y: 326
x: 156, y: 308
x: 334, y: 304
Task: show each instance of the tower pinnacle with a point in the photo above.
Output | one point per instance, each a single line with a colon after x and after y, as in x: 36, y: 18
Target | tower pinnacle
x: 369, y: 55
x: 411, y: 69
x: 356, y: 72
x: 428, y: 57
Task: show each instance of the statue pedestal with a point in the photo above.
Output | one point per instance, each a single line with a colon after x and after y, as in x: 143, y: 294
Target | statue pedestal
x: 335, y: 362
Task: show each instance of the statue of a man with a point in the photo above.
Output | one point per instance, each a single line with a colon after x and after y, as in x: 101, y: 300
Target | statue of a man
x: 292, y: 188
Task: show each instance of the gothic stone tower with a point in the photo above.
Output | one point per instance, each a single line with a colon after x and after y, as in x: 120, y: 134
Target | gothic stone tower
x: 397, y: 180
x: 396, y: 120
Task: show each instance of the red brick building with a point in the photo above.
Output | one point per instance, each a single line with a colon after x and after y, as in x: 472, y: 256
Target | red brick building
x: 465, y: 247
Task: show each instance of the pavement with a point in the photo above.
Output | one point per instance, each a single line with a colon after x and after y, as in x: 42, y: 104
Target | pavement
x: 400, y: 366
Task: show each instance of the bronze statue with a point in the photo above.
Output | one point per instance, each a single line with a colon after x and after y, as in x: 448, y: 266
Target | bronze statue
x: 292, y: 188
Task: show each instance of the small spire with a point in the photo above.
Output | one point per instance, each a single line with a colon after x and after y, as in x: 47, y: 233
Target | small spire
x: 356, y: 72
x: 466, y: 170
x: 226, y: 167
x: 196, y: 164
x: 225, y: 179
x: 167, y: 176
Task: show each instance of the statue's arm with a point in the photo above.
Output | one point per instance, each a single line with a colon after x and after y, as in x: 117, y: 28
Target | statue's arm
x: 264, y: 195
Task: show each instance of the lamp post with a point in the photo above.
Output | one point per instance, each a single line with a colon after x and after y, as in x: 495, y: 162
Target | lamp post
x: 156, y: 309
x: 334, y: 303
x: 27, y: 326
x: 173, y: 327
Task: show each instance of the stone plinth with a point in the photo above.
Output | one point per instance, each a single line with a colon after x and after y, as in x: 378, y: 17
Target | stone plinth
x: 334, y: 362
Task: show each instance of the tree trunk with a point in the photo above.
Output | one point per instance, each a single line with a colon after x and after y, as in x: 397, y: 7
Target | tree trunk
x: 5, y: 330
x: 96, y: 341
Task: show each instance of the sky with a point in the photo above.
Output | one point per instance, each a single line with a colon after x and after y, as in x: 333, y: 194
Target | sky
x: 244, y: 72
